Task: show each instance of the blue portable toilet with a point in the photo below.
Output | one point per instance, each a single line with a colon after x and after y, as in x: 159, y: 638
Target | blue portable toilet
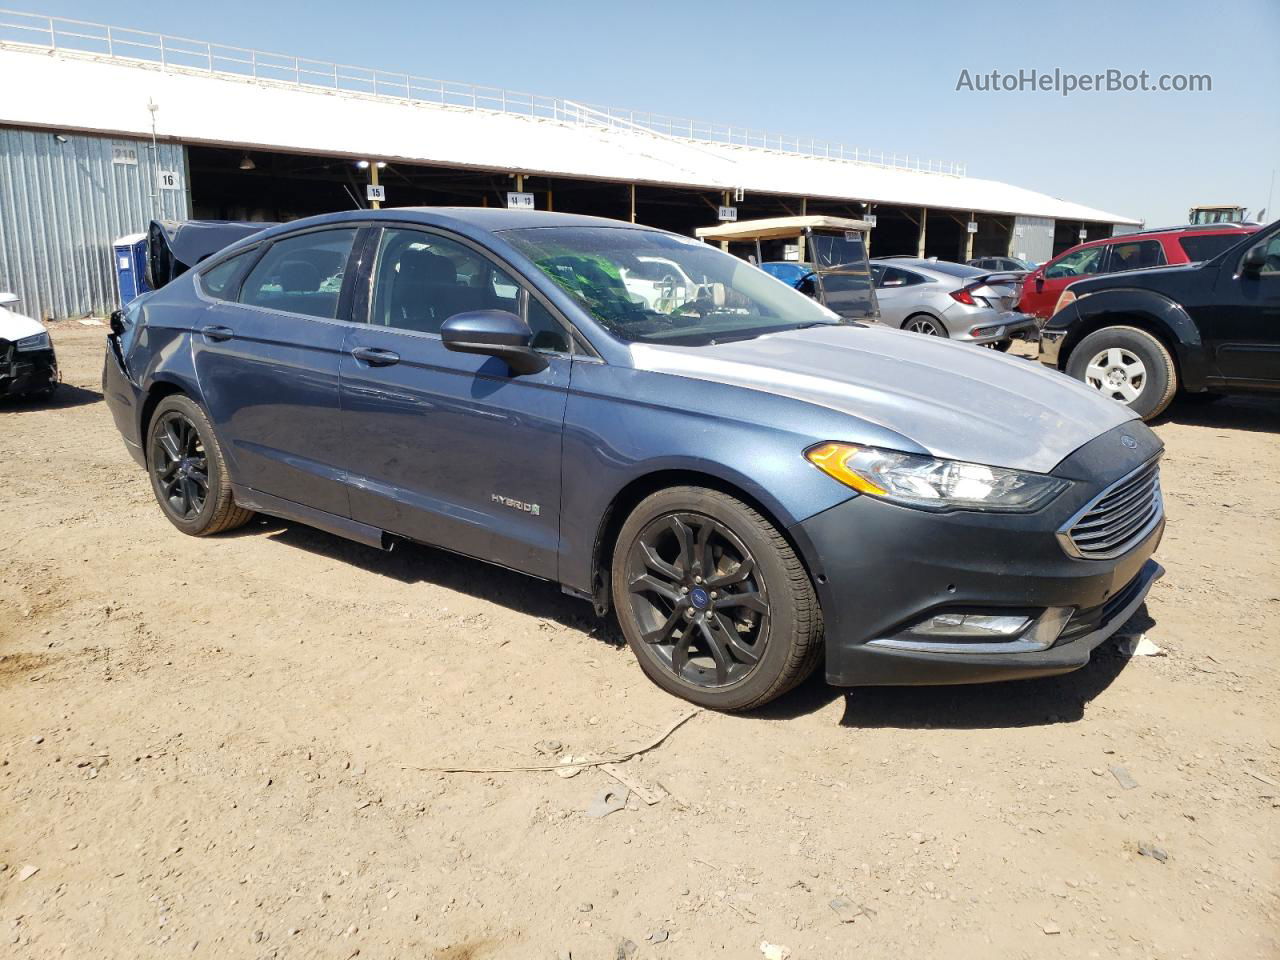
x: 131, y: 266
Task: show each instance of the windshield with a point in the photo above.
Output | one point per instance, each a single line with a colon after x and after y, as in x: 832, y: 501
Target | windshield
x: 651, y: 287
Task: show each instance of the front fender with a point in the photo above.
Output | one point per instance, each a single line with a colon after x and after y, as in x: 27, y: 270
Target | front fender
x: 1126, y: 306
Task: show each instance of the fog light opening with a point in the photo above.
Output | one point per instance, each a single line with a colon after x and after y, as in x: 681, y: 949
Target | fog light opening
x: 959, y: 631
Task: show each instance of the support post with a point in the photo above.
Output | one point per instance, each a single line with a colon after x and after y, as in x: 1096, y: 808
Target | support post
x: 924, y: 219
x: 373, y: 180
x: 633, y: 203
x: 727, y: 200
x: 968, y: 239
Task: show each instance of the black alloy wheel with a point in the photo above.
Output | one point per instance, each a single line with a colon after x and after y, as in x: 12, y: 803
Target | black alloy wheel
x: 188, y: 475
x: 699, y: 599
x: 179, y: 466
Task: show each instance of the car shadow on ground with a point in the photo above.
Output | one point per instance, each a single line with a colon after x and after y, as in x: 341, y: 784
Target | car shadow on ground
x: 1017, y: 703
x: 414, y: 563
x: 1256, y: 412
x: 65, y: 396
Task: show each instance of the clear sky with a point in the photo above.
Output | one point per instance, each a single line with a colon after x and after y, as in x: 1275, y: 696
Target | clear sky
x: 879, y: 75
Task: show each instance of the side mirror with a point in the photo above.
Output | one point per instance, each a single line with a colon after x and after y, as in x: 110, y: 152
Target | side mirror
x: 1255, y: 258
x: 117, y: 322
x: 493, y: 333
x: 1039, y: 282
x: 6, y: 299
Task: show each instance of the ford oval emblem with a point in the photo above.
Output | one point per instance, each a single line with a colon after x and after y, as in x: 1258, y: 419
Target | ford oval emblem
x: 1129, y: 442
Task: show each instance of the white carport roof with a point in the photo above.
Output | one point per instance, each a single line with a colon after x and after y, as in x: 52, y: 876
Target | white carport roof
x: 74, y: 91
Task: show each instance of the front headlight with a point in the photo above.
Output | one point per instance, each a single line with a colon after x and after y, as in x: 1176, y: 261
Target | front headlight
x: 932, y: 484
x: 38, y: 341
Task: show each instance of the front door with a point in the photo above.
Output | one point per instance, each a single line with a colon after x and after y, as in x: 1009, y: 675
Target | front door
x: 1040, y: 291
x: 267, y: 362
x: 448, y: 448
x: 1241, y: 327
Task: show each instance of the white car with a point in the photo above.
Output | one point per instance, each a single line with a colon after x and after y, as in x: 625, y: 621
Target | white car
x: 27, y: 361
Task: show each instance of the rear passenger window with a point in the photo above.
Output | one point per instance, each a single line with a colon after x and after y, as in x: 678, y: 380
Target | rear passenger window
x: 301, y: 274
x: 1206, y: 248
x: 1135, y: 255
x: 216, y: 281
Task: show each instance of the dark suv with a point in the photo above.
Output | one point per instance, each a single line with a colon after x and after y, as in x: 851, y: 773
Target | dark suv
x: 1202, y: 328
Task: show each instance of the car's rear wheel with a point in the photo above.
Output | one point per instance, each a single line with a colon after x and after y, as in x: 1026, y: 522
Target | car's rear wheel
x: 921, y: 323
x: 713, y: 600
x: 188, y: 475
x: 1129, y: 365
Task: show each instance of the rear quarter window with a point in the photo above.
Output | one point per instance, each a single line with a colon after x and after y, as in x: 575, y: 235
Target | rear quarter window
x: 1206, y: 248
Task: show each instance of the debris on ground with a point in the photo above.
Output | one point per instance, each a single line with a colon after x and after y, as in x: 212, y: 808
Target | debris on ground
x: 626, y: 950
x: 848, y: 911
x: 657, y: 936
x: 1140, y: 646
x: 548, y: 748
x: 607, y: 801
x: 1051, y: 929
x: 1123, y: 778
x: 1154, y: 852
x: 27, y: 872
x: 648, y: 793
x: 774, y: 951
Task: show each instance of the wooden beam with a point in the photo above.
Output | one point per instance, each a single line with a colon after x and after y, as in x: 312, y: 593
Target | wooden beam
x: 924, y: 222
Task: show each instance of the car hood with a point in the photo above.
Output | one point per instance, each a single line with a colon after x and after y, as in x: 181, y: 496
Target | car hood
x: 15, y: 326
x: 955, y: 400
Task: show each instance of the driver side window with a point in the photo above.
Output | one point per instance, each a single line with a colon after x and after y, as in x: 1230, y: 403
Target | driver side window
x: 1079, y: 264
x: 421, y: 280
x: 1272, y: 265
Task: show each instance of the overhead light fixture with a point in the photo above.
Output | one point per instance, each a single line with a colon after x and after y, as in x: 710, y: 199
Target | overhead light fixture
x: 362, y: 164
x: 60, y: 138
x: 246, y: 163
x: 381, y: 164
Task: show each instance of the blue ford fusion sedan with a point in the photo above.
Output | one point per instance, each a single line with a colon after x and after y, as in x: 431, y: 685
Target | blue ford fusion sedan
x: 752, y: 485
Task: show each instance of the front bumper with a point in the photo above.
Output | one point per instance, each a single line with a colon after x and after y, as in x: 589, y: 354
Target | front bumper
x: 1051, y: 346
x: 27, y: 372
x: 882, y: 567
x: 993, y: 328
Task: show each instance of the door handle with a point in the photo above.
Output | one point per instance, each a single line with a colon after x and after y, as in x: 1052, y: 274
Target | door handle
x: 218, y: 332
x: 376, y: 356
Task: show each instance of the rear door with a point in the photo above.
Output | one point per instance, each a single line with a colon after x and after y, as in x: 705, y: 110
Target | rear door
x: 267, y: 362
x: 451, y: 448
x: 898, y: 292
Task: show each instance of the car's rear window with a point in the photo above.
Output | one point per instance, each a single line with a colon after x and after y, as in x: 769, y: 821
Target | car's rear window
x: 952, y: 269
x: 1206, y: 248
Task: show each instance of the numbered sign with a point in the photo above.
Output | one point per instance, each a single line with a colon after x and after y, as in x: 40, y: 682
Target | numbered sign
x: 728, y: 213
x: 168, y: 180
x: 972, y: 226
x: 519, y: 201
x: 870, y: 218
x: 378, y: 193
x: 125, y: 153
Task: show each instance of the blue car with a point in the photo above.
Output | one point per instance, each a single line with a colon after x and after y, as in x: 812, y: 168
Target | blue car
x: 752, y: 485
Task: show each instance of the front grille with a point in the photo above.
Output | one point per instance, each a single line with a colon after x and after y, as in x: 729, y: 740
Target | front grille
x: 1118, y: 518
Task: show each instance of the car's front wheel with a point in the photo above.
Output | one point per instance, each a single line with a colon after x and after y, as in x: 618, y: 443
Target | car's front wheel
x: 713, y: 600
x: 188, y: 475
x: 1128, y: 365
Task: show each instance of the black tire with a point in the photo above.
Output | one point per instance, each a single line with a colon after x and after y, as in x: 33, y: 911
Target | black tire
x: 188, y: 474
x: 781, y: 627
x: 917, y: 322
x: 1159, y: 379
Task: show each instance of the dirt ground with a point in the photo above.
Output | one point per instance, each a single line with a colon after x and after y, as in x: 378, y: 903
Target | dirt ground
x: 209, y: 748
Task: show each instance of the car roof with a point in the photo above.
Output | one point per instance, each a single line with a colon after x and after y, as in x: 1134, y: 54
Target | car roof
x: 477, y: 219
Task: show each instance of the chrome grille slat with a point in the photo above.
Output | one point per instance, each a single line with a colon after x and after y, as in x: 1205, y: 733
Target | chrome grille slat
x: 1118, y: 518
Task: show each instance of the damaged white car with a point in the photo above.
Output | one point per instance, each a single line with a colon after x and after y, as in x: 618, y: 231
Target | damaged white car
x: 28, y: 364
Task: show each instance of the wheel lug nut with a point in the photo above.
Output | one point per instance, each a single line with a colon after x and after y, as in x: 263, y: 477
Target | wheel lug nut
x: 688, y: 614
x: 697, y: 579
x: 684, y: 589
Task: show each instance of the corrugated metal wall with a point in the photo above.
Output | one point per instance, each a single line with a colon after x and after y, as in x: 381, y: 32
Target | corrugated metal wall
x: 1033, y: 238
x: 62, y: 204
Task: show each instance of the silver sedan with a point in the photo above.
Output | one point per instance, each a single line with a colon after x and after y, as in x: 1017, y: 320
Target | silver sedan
x: 952, y: 300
